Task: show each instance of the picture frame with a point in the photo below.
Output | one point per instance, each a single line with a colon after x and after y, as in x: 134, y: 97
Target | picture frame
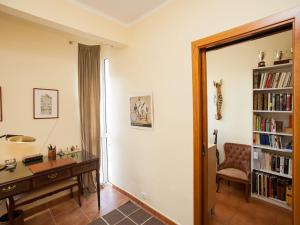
x: 45, y: 103
x: 141, y: 111
x: 1, y: 114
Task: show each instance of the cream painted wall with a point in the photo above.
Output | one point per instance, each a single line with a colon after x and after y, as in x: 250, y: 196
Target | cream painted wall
x: 67, y: 16
x: 234, y: 66
x: 158, y: 59
x: 32, y: 56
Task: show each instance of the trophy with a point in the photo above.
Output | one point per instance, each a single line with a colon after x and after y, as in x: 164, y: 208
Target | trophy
x: 261, y: 57
x: 279, y: 55
x: 279, y: 58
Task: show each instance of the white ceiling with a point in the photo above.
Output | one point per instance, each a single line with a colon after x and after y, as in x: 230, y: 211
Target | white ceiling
x: 124, y: 11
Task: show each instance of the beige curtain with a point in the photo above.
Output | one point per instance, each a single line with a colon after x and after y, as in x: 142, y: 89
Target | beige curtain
x: 89, y: 101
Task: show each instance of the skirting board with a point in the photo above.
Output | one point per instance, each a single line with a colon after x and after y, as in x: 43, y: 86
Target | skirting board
x: 145, y: 206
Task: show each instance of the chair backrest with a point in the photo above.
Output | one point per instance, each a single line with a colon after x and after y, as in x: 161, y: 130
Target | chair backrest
x: 237, y: 156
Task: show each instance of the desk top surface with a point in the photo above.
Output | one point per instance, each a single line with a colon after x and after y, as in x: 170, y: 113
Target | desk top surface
x: 22, y: 171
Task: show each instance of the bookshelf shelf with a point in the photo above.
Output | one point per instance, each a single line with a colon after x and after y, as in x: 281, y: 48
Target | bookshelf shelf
x: 272, y: 89
x: 274, y: 67
x: 273, y: 149
x: 274, y: 173
x: 275, y: 133
x: 269, y: 111
x: 273, y: 201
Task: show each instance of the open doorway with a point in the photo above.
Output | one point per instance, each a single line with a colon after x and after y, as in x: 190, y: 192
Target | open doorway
x: 104, y: 178
x: 249, y: 111
x: 288, y: 20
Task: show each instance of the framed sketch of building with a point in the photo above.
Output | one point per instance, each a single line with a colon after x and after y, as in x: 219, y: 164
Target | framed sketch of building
x: 141, y: 111
x: 45, y: 103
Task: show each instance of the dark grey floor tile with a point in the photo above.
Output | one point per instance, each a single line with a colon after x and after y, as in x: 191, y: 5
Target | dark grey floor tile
x: 128, y: 208
x: 140, y: 216
x: 113, y: 217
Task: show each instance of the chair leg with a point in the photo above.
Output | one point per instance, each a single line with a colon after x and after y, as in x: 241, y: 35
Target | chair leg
x: 247, y: 192
x: 79, y: 190
x: 218, y: 186
x: 71, y: 192
x: 11, y: 207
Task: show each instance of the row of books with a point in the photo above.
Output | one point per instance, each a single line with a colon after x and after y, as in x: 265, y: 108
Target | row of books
x: 273, y: 141
x: 272, y: 80
x: 270, y: 186
x: 273, y: 101
x: 272, y: 162
x: 261, y: 123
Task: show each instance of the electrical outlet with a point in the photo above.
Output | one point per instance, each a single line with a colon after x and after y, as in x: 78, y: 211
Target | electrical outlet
x: 144, y: 195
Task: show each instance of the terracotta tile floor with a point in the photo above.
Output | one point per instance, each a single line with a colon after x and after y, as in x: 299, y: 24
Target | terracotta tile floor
x: 232, y: 209
x: 69, y: 212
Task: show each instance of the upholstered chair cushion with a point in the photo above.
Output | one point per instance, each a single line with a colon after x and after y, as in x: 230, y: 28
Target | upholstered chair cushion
x: 237, y: 156
x: 233, y: 173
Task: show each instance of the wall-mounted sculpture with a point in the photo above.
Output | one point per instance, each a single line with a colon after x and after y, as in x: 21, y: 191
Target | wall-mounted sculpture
x: 218, y: 99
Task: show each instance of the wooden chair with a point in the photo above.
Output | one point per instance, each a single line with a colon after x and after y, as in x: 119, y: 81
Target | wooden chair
x: 236, y: 166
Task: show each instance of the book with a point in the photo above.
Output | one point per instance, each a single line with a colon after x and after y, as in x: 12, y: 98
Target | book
x: 255, y: 101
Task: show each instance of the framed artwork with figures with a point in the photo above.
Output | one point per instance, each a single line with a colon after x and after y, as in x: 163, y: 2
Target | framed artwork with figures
x: 45, y: 103
x: 141, y: 111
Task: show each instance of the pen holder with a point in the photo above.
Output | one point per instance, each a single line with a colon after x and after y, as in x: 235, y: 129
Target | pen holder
x: 52, y: 154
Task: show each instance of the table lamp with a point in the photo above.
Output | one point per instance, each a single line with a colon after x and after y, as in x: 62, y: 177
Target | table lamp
x: 17, y: 139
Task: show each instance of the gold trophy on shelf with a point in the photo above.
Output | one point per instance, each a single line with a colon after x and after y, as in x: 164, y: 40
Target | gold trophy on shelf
x: 279, y: 58
x: 261, y: 57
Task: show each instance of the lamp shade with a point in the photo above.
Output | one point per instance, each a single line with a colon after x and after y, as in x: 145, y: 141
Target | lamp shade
x: 21, y: 139
x: 18, y: 138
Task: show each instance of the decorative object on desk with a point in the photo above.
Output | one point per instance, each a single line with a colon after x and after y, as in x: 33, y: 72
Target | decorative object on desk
x: 52, y: 152
x: 61, y: 153
x: 10, y: 164
x: 141, y: 111
x: 218, y: 99
x: 261, y: 56
x: 1, y: 117
x: 17, y: 139
x: 45, y: 103
x: 32, y: 159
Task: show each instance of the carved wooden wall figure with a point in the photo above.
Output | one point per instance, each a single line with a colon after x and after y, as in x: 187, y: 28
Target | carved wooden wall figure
x: 218, y: 99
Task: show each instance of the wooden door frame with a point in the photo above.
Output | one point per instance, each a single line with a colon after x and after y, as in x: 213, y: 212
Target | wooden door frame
x: 199, y: 47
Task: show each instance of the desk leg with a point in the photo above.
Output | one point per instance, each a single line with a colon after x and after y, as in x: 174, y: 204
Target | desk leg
x: 11, y: 210
x: 98, y: 187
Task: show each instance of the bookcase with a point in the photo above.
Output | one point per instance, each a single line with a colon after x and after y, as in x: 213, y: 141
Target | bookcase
x: 272, y: 146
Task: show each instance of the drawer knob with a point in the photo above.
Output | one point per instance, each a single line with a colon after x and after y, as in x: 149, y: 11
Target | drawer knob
x: 9, y: 188
x: 52, y: 176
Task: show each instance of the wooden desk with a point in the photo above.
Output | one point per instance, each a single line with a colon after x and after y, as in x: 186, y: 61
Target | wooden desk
x: 22, y: 180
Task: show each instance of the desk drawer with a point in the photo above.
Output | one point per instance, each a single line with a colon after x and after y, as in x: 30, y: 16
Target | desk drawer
x: 85, y: 167
x: 49, y: 178
x: 14, y: 189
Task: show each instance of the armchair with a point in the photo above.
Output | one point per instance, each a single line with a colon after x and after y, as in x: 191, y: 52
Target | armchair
x: 236, y: 166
